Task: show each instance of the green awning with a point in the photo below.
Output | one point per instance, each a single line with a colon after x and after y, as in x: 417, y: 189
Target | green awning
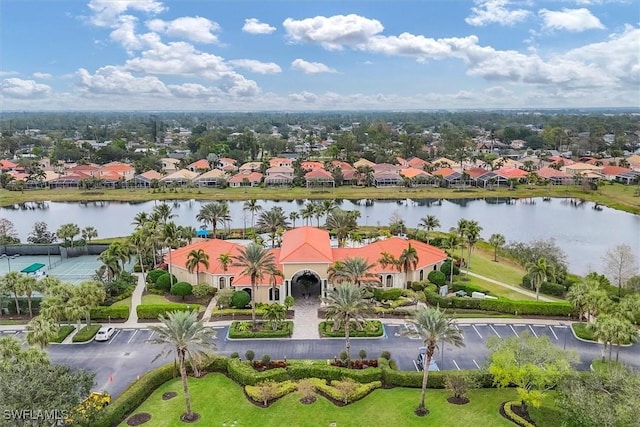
x: 32, y: 268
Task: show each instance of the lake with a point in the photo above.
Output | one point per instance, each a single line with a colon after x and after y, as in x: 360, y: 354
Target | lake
x: 583, y: 232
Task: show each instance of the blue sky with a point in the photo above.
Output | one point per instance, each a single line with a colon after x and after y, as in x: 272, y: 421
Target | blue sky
x: 318, y: 55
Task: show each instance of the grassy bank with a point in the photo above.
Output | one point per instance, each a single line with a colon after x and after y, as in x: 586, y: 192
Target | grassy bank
x: 617, y: 196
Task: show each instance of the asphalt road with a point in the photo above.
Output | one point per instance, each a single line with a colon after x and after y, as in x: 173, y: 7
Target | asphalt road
x: 128, y: 354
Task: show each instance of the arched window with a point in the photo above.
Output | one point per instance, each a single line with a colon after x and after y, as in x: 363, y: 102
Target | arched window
x: 389, y: 281
x: 435, y: 267
x: 421, y: 275
x: 230, y: 281
x: 274, y: 294
x: 222, y: 282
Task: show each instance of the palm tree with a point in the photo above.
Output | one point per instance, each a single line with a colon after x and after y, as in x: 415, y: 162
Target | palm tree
x: 10, y: 284
x: 294, y: 216
x: 387, y: 259
x: 451, y: 242
x: 577, y: 296
x: 195, y: 259
x: 472, y: 231
x: 122, y: 250
x: 274, y: 314
x: 327, y: 207
x: 75, y: 310
x: 254, y: 207
x: 140, y: 240
x: 27, y: 285
x: 623, y: 333
x: 187, y: 233
x: 308, y: 211
x: 346, y: 303
x: 171, y: 238
x: 429, y: 222
x: 354, y: 270
x: 140, y: 219
x: 163, y: 213
x: 342, y: 223
x: 603, y: 330
x: 225, y: 261
x: 111, y: 263
x: 274, y: 273
x: 433, y: 326
x: 183, y: 331
x: 497, y: 241
x: 539, y: 273
x: 462, y: 232
x: 40, y: 331
x: 214, y: 213
x: 255, y: 262
x: 271, y: 221
x: 408, y: 261
x: 89, y: 233
x: 91, y: 294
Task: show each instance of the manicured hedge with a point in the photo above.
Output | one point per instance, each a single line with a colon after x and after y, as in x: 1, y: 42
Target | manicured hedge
x: 63, y: 333
x: 436, y: 379
x: 152, y: 311
x: 87, y: 333
x: 285, y: 329
x: 319, y: 369
x: 372, y: 328
x: 236, y: 312
x: 133, y: 397
x: 437, y: 277
x: 153, y: 275
x: 504, y: 305
x: 113, y: 312
x: 360, y: 392
x: 244, y: 374
x: 546, y: 288
x: 284, y: 388
x: 517, y: 419
x: 387, y: 294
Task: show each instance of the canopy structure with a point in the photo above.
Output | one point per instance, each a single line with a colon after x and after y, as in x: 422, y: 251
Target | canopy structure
x: 32, y: 268
x: 202, y: 233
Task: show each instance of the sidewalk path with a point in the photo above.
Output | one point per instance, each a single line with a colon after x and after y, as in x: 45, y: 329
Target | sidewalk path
x: 136, y: 300
x: 306, y: 320
x: 511, y: 287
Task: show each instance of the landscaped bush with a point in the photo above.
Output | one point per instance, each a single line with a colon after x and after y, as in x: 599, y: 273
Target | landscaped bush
x: 380, y: 294
x: 153, y: 275
x: 244, y: 374
x: 113, y: 312
x: 240, y: 299
x: 391, y: 377
x: 181, y: 289
x: 319, y: 369
x: 371, y: 328
x: 256, y: 393
x: 546, y: 288
x: 436, y: 277
x: 236, y: 312
x: 224, y: 297
x: 203, y: 290
x: 86, y: 333
x: 152, y: 311
x: 63, y: 333
x: 164, y: 282
x: 133, y: 397
x: 360, y: 391
x: 517, y: 419
x: 446, y: 269
x: 582, y: 331
x: 238, y: 330
x: 417, y: 286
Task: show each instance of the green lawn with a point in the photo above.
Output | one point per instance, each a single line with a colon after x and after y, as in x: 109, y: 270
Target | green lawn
x: 159, y: 299
x: 219, y: 400
x: 504, y: 270
x: 582, y: 332
x: 500, y: 291
x: 124, y: 302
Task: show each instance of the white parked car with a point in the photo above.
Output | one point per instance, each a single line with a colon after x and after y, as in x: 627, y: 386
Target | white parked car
x: 105, y: 333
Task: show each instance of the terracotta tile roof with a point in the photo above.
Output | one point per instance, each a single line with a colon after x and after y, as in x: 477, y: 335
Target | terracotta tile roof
x: 386, y: 167
x: 548, y: 173
x: 507, y: 172
x: 280, y: 160
x: 200, y: 164
x: 250, y: 166
x: 280, y: 169
x: 307, y: 166
x: 614, y: 170
x: 476, y: 172
x: 83, y: 168
x: 213, y: 173
x: 417, y: 162
x: 583, y: 166
x: 181, y: 174
x: 7, y: 164
x: 252, y: 177
x: 413, y: 173
x: 318, y: 174
x: 363, y: 162
x: 342, y: 165
x: 152, y: 174
x: 213, y: 247
x: 110, y: 176
x: 117, y: 167
x: 561, y: 160
x: 228, y: 160
x: 306, y: 244
x: 443, y: 172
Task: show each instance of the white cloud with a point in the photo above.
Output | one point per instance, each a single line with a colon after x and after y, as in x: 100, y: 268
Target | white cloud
x: 23, y: 89
x: 42, y: 76
x: 254, y: 26
x: 105, y: 13
x: 575, y: 20
x: 310, y: 67
x: 193, y: 90
x: 495, y: 12
x: 304, y: 97
x: 333, y: 32
x: 257, y: 66
x: 8, y: 73
x: 112, y: 80
x: 196, y: 29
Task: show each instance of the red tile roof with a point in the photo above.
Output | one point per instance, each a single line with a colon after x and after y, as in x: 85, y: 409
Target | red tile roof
x: 252, y: 177
x: 548, y: 173
x: 614, y: 170
x: 511, y: 172
x: 7, y: 164
x: 200, y: 164
x: 318, y: 174
x: 476, y: 172
x: 306, y: 244
x: 308, y: 166
x: 417, y: 162
x: 444, y: 172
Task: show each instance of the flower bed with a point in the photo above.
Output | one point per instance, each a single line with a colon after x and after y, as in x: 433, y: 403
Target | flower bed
x: 371, y: 328
x: 243, y: 330
x: 356, y: 364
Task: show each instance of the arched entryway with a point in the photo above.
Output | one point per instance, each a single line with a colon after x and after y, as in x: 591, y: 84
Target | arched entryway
x: 306, y: 285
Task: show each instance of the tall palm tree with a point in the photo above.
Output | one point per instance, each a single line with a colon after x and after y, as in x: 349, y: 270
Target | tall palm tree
x: 429, y: 223
x: 308, y: 211
x: 171, y: 238
x: 140, y: 219
x: 294, y: 216
x: 274, y: 314
x: 10, y: 283
x: 604, y: 330
x: 433, y: 326
x: 187, y: 233
x: 496, y: 240
x: 89, y: 233
x: 342, y: 223
x: 451, y: 242
x: 27, y: 285
x: 195, y: 259
x: 215, y: 213
x: 327, y: 206
x: 472, y: 232
x: 462, y: 233
x: 185, y: 334
x: 91, y: 294
x: 255, y: 262
x: 271, y: 220
x: 122, y: 250
x: 140, y: 239
x: 386, y: 259
x: 346, y: 303
x: 75, y: 310
x: 163, y: 212
x: 274, y: 274
x: 540, y: 272
x: 354, y: 270
x: 40, y: 331
x: 111, y: 263
x: 408, y: 261
x: 254, y: 207
x: 225, y: 260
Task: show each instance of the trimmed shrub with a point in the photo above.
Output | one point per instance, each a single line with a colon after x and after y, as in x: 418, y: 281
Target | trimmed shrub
x: 112, y: 312
x: 153, y: 275
x: 417, y: 286
x: 63, y: 333
x: 152, y: 311
x: 517, y: 419
x: 359, y: 391
x: 224, y: 297
x: 133, y: 396
x: 86, y: 333
x: 372, y: 328
x: 266, y: 359
x: 250, y: 355
x: 552, y: 289
x: 164, y: 282
x: 181, y: 289
x: 268, y: 391
x: 436, y: 277
x: 202, y: 290
x: 244, y: 374
x: 385, y: 355
x: 318, y: 369
x: 285, y: 329
x: 446, y: 269
x: 240, y: 299
x: 234, y: 355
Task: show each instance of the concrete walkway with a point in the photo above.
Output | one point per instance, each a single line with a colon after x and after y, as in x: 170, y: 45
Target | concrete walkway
x: 306, y: 320
x: 511, y: 287
x: 207, y: 312
x: 136, y: 300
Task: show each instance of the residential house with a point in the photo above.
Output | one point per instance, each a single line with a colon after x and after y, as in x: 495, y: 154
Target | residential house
x: 311, y: 166
x: 386, y: 178
x: 279, y: 175
x: 148, y: 179
x: 214, y: 178
x: 124, y: 171
x: 169, y: 164
x: 245, y: 179
x: 179, y: 178
x: 250, y: 167
x: 199, y: 166
x: 278, y: 162
x: 417, y: 177
x: 555, y: 176
x: 319, y: 178
x: 363, y: 163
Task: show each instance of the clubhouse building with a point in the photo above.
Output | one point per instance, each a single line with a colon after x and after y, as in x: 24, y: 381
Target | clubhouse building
x: 304, y: 258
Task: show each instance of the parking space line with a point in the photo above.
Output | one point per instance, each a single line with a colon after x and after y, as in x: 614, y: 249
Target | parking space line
x: 463, y: 324
x: 553, y: 332
x: 496, y: 332
x: 514, y: 331
x: 454, y: 362
x: 500, y: 324
x: 132, y: 335
x: 475, y: 363
x: 151, y: 336
x: 113, y: 337
x: 474, y: 328
x: 534, y: 332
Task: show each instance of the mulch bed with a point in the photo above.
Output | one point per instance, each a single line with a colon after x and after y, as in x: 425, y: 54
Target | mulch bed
x: 308, y: 400
x: 518, y: 411
x: 421, y: 412
x: 169, y: 395
x: 138, y: 419
x: 458, y: 400
x: 195, y: 417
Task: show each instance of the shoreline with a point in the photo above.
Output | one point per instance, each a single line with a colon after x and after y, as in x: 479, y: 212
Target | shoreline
x: 616, y: 196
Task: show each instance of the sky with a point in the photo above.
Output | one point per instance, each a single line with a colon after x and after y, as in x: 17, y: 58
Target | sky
x: 306, y: 55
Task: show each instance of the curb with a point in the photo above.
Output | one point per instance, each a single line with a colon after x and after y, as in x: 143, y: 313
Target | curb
x: 595, y: 342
